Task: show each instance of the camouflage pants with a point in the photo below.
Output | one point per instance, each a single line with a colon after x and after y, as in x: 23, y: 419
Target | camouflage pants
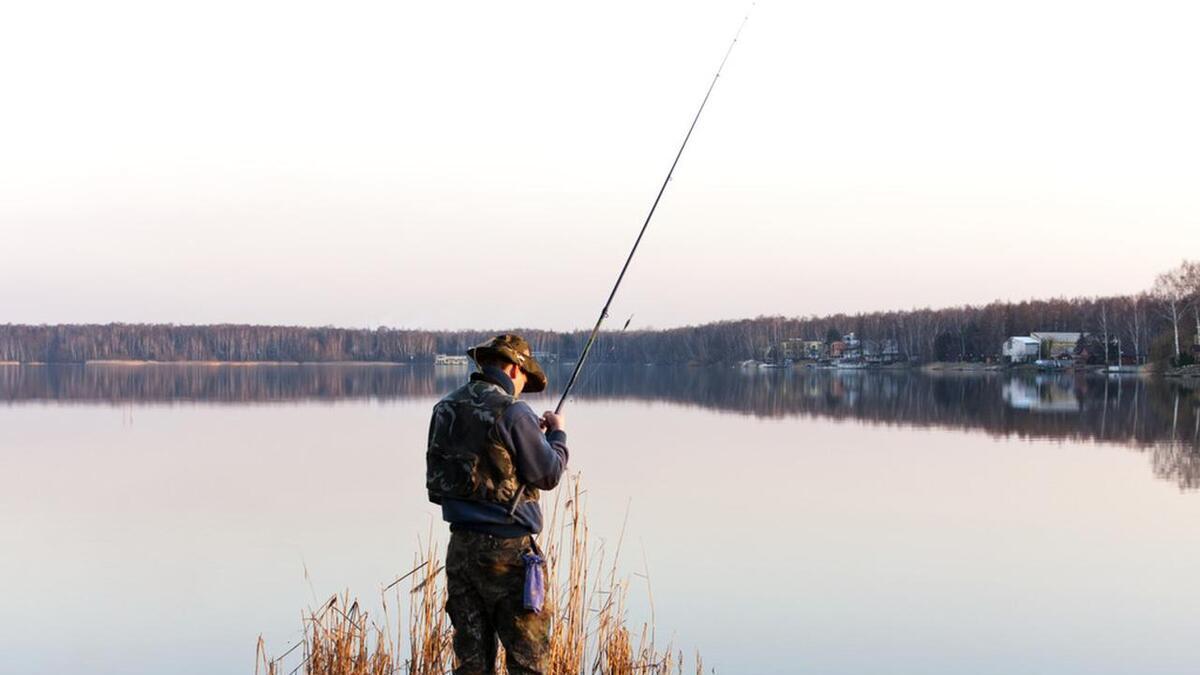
x: 485, y: 581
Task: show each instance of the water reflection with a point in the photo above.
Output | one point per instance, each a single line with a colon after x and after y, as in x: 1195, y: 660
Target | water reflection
x: 221, y: 384
x: 1041, y: 394
x: 1149, y: 413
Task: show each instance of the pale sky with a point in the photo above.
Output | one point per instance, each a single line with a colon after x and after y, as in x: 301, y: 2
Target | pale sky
x: 482, y: 164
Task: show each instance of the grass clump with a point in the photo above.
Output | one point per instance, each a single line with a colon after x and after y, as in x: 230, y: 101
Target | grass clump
x: 589, y: 632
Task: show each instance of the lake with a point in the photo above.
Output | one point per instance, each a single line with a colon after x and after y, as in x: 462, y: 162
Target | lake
x: 158, y: 519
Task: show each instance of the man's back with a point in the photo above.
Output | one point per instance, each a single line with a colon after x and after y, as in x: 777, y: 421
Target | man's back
x: 484, y: 445
x: 466, y: 458
x: 486, y: 450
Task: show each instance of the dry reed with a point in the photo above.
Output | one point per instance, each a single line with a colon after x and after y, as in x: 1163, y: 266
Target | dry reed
x: 588, y: 628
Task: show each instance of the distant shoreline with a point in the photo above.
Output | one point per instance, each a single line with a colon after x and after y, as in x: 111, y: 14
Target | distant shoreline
x: 936, y: 367
x: 133, y: 362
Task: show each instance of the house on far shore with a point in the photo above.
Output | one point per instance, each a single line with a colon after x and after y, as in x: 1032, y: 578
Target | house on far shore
x: 797, y: 349
x: 886, y: 350
x: 1058, y: 344
x: 1018, y: 349
x: 836, y: 348
x: 450, y: 360
x: 814, y: 350
x: 849, y: 348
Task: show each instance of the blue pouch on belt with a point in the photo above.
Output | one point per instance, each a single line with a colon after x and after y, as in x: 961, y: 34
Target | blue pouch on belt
x: 535, y: 582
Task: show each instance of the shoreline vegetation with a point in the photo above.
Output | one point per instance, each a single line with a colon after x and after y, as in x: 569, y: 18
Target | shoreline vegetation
x: 1145, y: 370
x: 133, y: 362
x: 585, y: 596
x: 143, y: 362
x: 1145, y: 412
x: 1159, y: 326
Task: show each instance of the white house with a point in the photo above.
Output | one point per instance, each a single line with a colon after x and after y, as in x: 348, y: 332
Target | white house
x: 852, y: 348
x: 1059, y: 343
x: 1020, y: 349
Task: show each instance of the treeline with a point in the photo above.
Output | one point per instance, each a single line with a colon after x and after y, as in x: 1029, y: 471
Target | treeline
x: 225, y: 342
x: 1159, y: 324
x: 78, y: 343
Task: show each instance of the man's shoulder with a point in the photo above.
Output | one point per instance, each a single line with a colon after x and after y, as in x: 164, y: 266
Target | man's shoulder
x: 478, y: 394
x: 491, y: 394
x: 519, y: 408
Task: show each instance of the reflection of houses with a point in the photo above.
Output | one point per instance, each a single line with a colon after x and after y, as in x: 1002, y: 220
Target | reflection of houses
x: 450, y: 360
x: 1050, y: 394
x: 1019, y: 349
x: 1057, y: 344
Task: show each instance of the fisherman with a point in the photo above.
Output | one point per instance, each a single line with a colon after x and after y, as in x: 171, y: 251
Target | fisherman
x: 489, y: 454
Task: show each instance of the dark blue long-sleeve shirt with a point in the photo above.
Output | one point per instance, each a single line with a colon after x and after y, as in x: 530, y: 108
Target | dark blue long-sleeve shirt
x: 540, y: 459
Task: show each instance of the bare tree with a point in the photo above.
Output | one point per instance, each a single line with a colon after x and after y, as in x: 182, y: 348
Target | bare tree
x: 1170, y: 288
x: 1102, y: 308
x: 1190, y: 277
x: 1135, y: 322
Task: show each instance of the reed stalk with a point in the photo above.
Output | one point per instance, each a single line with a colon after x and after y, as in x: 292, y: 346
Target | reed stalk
x: 589, y: 631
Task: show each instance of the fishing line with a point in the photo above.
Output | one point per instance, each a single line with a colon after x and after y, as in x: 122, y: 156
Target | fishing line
x: 587, y: 347
x: 590, y: 375
x: 591, y: 341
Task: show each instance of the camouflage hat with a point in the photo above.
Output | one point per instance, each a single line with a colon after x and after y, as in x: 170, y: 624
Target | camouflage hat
x: 514, y: 349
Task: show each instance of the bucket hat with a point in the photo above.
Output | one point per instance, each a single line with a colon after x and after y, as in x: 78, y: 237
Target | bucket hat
x: 514, y: 349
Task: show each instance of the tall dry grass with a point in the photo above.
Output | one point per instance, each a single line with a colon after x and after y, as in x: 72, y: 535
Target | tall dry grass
x: 589, y: 631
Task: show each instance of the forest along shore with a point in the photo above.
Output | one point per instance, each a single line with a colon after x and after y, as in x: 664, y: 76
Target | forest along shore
x: 1159, y: 326
x: 132, y: 362
x: 209, y: 363
x: 934, y: 367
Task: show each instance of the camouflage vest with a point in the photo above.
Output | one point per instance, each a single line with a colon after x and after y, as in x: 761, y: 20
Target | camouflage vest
x: 465, y: 458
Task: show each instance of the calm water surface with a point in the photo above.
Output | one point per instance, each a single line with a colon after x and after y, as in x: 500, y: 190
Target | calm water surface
x: 159, y: 519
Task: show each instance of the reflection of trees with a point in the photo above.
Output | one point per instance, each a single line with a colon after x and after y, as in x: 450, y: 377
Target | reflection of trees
x: 1177, y: 462
x: 222, y: 384
x: 1122, y: 410
x: 1160, y: 415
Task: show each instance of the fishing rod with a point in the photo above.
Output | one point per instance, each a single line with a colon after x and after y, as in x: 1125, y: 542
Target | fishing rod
x: 587, y: 347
